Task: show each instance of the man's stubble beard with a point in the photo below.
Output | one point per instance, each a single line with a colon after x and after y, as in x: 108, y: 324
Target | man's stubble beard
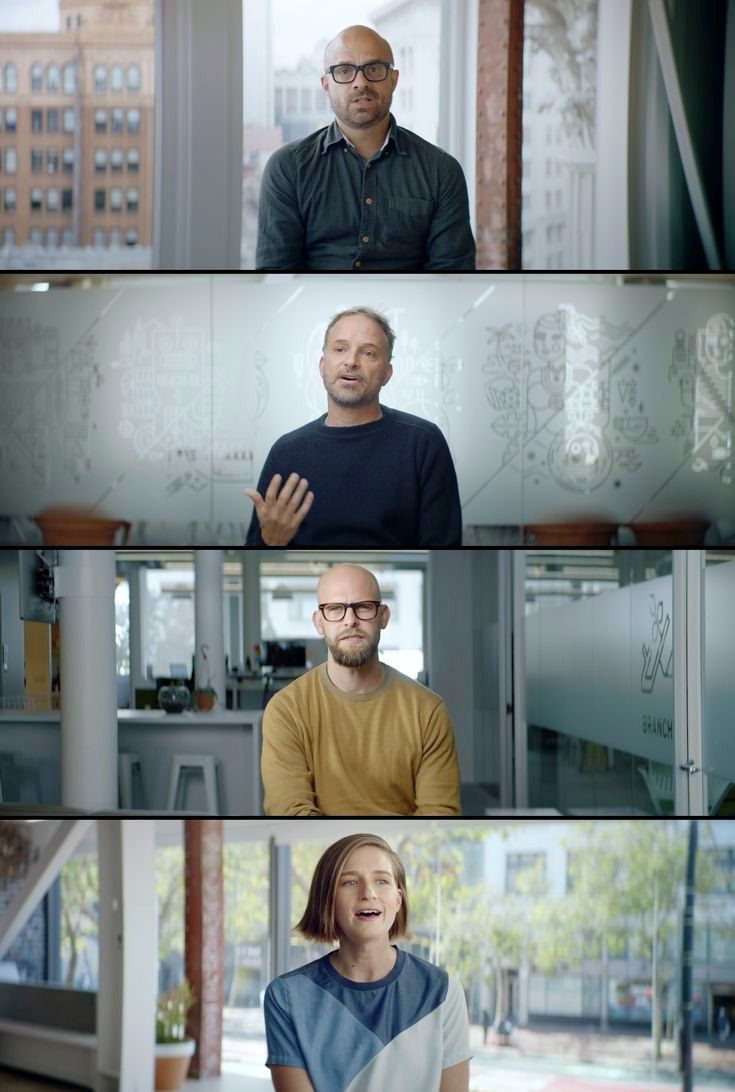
x: 347, y: 119
x: 353, y: 659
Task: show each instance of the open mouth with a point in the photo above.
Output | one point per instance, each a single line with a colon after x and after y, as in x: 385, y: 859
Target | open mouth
x: 365, y: 914
x: 350, y: 378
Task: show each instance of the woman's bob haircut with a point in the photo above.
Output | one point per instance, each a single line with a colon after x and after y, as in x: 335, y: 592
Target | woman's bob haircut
x: 318, y: 922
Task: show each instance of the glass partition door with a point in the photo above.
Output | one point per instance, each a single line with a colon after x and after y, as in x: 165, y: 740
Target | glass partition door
x: 599, y: 691
x: 718, y: 713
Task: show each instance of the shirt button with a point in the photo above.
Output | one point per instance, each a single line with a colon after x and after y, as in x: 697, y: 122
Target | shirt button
x: 357, y: 265
x: 368, y: 200
x: 366, y: 238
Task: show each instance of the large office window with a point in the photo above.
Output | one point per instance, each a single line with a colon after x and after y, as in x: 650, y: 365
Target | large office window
x: 288, y: 600
x: 283, y: 60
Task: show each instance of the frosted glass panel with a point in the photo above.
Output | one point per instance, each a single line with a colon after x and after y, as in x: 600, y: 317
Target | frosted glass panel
x: 561, y: 402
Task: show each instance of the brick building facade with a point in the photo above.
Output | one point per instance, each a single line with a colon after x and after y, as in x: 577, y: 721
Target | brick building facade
x: 76, y: 128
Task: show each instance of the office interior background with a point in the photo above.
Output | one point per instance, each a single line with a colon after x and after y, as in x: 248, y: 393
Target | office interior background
x: 487, y: 903
x: 579, y: 682
x: 579, y: 409
x: 603, y: 110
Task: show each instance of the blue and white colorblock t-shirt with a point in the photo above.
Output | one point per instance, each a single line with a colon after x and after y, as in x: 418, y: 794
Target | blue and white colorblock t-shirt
x: 393, y: 1035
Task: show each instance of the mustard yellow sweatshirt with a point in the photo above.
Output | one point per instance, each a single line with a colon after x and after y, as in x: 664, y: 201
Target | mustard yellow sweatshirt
x: 388, y: 752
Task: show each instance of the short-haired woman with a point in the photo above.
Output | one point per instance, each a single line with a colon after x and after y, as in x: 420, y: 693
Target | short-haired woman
x: 367, y: 1017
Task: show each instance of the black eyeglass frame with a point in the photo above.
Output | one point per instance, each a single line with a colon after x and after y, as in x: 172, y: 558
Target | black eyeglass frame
x: 359, y: 68
x: 377, y: 603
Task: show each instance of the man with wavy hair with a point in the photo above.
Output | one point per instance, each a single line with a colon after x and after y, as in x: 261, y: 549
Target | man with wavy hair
x: 362, y: 474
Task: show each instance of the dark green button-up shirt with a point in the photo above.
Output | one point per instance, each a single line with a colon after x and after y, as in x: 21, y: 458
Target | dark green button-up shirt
x: 322, y: 206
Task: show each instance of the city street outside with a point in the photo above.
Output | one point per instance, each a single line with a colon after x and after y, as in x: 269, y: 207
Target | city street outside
x: 536, y: 1061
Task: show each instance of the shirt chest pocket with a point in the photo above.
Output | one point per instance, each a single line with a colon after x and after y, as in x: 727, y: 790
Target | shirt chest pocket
x: 408, y: 219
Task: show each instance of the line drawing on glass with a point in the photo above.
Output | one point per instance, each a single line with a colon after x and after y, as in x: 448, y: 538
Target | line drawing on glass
x: 658, y: 657
x: 563, y: 431
x: 172, y: 412
x: 42, y: 391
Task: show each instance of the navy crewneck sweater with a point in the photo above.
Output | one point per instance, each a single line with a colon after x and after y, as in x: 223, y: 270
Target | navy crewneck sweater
x: 388, y: 483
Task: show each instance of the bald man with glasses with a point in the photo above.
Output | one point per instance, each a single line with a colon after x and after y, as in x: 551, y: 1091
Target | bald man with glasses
x: 363, y: 194
x: 354, y: 736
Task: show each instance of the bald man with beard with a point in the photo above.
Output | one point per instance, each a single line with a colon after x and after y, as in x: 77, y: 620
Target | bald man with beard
x: 354, y: 736
x: 364, y: 193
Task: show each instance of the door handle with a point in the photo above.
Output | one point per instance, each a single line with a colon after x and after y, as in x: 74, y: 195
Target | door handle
x: 690, y: 767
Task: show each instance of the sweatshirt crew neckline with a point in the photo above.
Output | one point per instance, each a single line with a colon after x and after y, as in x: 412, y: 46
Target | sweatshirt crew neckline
x: 347, y: 695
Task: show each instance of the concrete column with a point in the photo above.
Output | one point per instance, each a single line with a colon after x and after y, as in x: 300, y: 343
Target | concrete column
x: 210, y: 621
x: 138, y: 678
x: 128, y: 980
x: 205, y: 941
x: 251, y: 602
x: 85, y: 587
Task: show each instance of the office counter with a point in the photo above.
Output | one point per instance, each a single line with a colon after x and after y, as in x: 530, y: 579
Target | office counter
x: 233, y: 737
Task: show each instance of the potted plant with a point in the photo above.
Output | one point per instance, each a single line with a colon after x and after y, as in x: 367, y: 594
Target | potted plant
x: 174, y: 1048
x: 205, y: 696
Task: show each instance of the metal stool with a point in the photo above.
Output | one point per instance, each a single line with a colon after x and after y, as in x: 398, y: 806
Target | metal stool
x: 182, y: 766
x: 127, y: 764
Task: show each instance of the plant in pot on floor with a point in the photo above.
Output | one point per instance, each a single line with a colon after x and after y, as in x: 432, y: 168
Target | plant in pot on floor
x: 206, y: 696
x: 174, y: 1048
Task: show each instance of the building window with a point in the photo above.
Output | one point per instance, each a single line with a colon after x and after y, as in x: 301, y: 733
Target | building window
x: 100, y: 121
x: 36, y: 160
x: 115, y: 199
x: 100, y: 159
x: 279, y: 102
x: 52, y: 199
x: 11, y: 78
x: 116, y: 80
x: 305, y: 100
x: 53, y: 78
x: 133, y: 160
x: 98, y: 237
x: 116, y: 159
x: 67, y: 237
x: 70, y: 79
x: 67, y: 200
x: 69, y: 119
x: 36, y: 121
x: 11, y: 160
x: 36, y: 199
x: 291, y: 100
x: 99, y: 200
x: 35, y: 236
x: 52, y: 121
x: 133, y: 78
x: 100, y: 78
x: 37, y: 77
x: 134, y: 120
x: 11, y: 119
x: 518, y: 865
x: 9, y: 236
x: 52, y: 160
x: 52, y: 237
x: 117, y: 120
x: 133, y: 198
x: 68, y: 160
x: 9, y: 199
x: 115, y: 236
x: 131, y: 237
